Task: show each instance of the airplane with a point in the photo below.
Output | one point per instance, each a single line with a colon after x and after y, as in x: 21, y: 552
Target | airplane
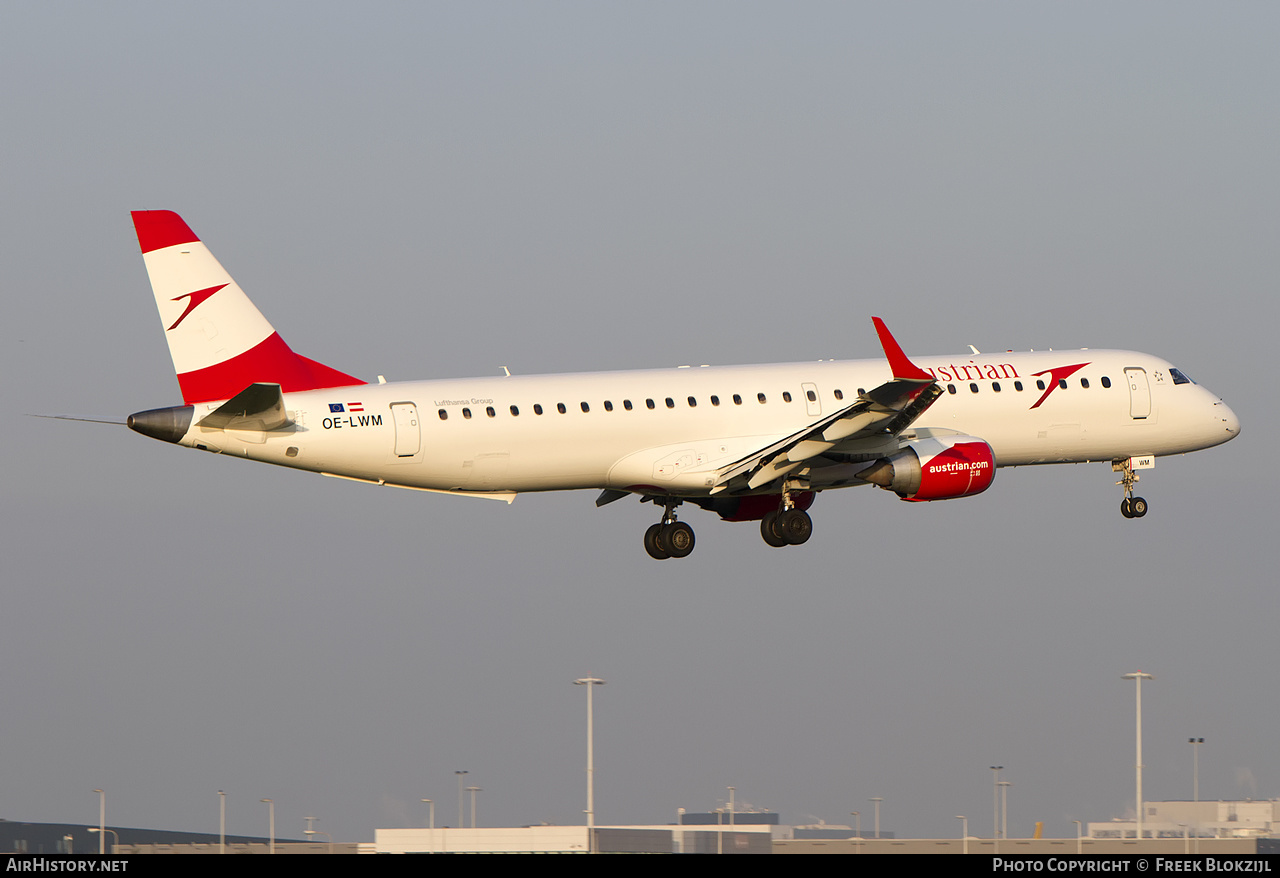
x: 749, y: 443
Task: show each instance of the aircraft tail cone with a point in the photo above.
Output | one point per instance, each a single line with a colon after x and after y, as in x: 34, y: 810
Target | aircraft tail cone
x: 167, y: 425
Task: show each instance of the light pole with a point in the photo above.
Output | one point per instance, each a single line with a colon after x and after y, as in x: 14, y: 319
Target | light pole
x: 995, y: 806
x: 591, y: 683
x: 271, y: 822
x: 877, y: 800
x: 102, y: 836
x: 1195, y: 767
x: 1079, y: 836
x: 1137, y: 677
x: 431, y: 821
x: 1004, y: 808
x: 473, y: 791
x: 857, y: 829
x: 460, y: 774
x: 964, y: 831
x: 222, y: 822
x: 731, y: 792
x: 328, y: 837
x: 102, y: 822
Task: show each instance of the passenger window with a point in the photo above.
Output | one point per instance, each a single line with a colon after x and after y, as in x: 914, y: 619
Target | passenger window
x: 786, y: 396
x: 1039, y: 385
x: 973, y: 388
x: 649, y: 403
x: 626, y: 404
x: 585, y: 408
x: 811, y: 396
x: 861, y: 391
x: 951, y: 388
x: 488, y: 410
x: 537, y: 409
x: 1062, y: 382
x: 444, y: 416
x: 1084, y: 382
x: 1017, y: 385
x: 693, y: 403
x: 608, y: 406
x: 671, y: 403
x: 737, y: 400
x: 839, y: 394
x: 466, y: 413
x: 1106, y: 382
x: 760, y: 396
x: 715, y: 400
x: 560, y: 408
x: 995, y: 385
x: 515, y: 412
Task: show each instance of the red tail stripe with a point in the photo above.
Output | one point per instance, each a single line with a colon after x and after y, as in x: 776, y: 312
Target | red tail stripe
x: 160, y: 228
x: 271, y: 362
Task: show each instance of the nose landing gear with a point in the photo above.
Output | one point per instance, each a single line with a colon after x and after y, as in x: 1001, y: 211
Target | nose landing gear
x: 1130, y: 506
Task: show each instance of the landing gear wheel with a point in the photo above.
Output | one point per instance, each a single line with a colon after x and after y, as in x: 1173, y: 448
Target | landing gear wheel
x: 768, y: 530
x: 1137, y: 507
x: 677, y: 539
x: 795, y: 526
x: 654, y: 544
x: 1126, y: 508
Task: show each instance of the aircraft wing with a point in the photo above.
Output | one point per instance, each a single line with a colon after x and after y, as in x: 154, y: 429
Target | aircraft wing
x: 885, y: 410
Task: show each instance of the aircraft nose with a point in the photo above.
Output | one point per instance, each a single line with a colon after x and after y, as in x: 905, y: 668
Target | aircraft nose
x: 1229, y: 419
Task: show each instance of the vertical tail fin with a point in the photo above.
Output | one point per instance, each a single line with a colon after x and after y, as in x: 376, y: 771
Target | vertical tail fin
x: 220, y: 343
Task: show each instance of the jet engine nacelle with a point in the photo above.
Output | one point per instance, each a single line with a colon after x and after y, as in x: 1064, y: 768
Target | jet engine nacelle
x: 935, y: 469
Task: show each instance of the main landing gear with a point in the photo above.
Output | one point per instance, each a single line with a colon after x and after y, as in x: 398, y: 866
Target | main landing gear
x: 669, y: 538
x: 786, y: 526
x: 1130, y: 506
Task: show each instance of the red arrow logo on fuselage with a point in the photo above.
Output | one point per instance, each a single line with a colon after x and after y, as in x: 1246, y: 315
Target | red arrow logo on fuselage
x: 193, y: 299
x: 1061, y: 373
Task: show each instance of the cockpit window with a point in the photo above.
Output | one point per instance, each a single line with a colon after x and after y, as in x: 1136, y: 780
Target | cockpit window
x: 1179, y: 377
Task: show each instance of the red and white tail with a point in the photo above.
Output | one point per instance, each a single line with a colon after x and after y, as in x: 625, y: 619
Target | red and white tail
x: 220, y: 343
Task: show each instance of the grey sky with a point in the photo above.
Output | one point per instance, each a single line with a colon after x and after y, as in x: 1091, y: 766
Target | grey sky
x: 430, y: 190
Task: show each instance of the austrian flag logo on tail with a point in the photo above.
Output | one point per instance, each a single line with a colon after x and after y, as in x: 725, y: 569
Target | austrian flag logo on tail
x: 193, y: 299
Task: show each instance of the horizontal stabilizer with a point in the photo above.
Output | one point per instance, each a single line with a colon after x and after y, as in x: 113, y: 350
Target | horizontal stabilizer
x: 257, y: 407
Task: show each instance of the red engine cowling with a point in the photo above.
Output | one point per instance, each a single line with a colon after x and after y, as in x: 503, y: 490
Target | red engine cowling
x: 936, y: 469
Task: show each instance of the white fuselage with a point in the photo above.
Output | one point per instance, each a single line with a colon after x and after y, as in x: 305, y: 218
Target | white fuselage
x: 667, y: 431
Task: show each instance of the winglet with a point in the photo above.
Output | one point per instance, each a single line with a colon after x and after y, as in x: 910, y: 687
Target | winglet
x: 903, y: 369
